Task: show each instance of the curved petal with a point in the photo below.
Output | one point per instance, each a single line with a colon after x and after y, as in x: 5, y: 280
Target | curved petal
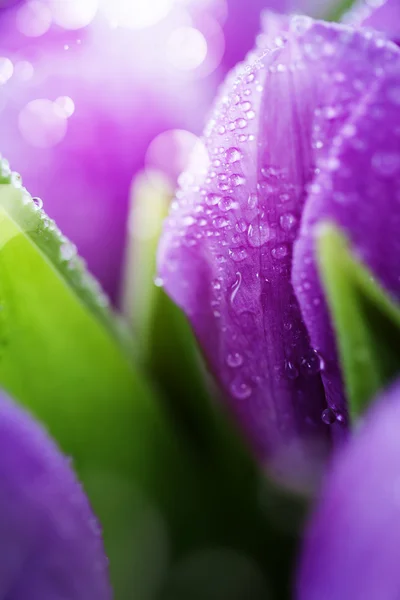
x: 50, y: 545
x: 226, y: 254
x: 352, y: 545
x: 357, y: 186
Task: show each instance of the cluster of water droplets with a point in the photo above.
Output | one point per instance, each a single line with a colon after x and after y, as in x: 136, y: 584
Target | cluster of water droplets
x: 243, y: 211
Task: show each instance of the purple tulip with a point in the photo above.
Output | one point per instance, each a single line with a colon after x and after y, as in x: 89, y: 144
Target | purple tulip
x: 50, y: 544
x: 352, y: 545
x: 307, y: 129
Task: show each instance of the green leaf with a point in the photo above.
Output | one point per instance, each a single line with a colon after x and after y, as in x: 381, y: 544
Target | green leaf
x: 366, y: 320
x: 339, y: 9
x: 61, y: 356
x: 159, y: 498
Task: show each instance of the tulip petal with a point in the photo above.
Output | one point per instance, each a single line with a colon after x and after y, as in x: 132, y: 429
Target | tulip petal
x: 225, y: 257
x: 352, y: 546
x: 50, y: 543
x: 356, y: 186
x: 226, y: 253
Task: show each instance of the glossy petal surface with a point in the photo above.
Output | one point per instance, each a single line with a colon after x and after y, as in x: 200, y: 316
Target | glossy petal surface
x: 352, y: 546
x: 356, y: 186
x: 226, y: 253
x: 50, y: 546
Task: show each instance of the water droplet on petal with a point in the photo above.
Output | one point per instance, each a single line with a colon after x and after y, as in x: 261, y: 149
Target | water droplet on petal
x: 311, y: 364
x: 252, y: 200
x: 238, y: 254
x: 220, y: 222
x: 291, y: 371
x: 280, y: 251
x: 288, y: 221
x: 212, y: 199
x: 258, y: 233
x: 234, y: 360
x: 241, y: 226
x: 328, y: 416
x: 233, y: 155
x: 225, y: 203
x: 240, y: 389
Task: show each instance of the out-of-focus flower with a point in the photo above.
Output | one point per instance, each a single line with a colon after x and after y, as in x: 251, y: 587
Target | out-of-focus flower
x: 351, y: 548
x: 306, y: 130
x: 50, y: 543
x: 87, y: 86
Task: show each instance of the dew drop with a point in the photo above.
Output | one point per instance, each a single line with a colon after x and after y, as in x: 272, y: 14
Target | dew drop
x: 38, y: 202
x: 233, y: 155
x: 235, y: 180
x: 241, y: 226
x: 67, y: 251
x: 328, y: 416
x: 241, y: 123
x: 258, y: 233
x: 238, y: 254
x: 291, y: 371
x: 288, y: 221
x: 234, y: 360
x: 216, y: 284
x: 220, y: 222
x: 311, y: 364
x: 225, y: 203
x: 16, y: 180
x: 280, y: 251
x: 252, y: 200
x: 212, y: 199
x: 240, y: 389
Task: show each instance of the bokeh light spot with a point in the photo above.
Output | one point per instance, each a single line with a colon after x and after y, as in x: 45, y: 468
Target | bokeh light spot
x: 186, y: 48
x: 42, y: 123
x: 33, y: 18
x: 73, y: 14
x: 23, y: 70
x: 66, y: 105
x: 176, y: 150
x: 6, y: 69
x: 136, y: 14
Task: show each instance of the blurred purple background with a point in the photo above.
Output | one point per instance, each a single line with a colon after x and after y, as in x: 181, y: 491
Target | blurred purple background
x: 86, y: 86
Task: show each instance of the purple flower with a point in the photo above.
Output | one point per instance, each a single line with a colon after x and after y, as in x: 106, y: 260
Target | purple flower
x: 50, y: 544
x: 352, y: 545
x: 307, y: 129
